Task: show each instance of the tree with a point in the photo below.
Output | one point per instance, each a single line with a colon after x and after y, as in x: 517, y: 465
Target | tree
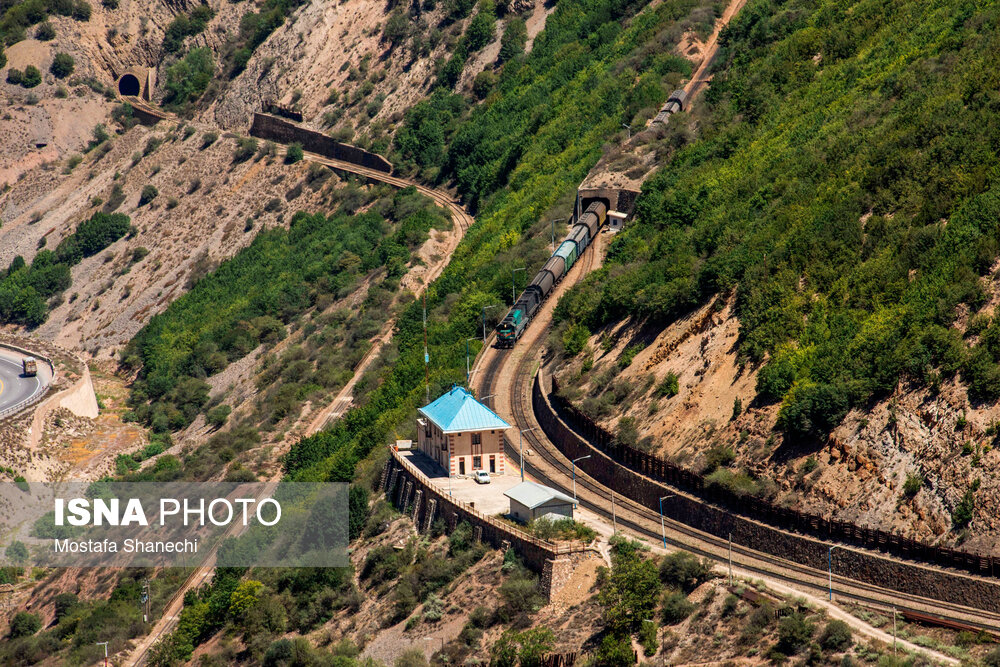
x: 676, y: 607
x: 357, y: 510
x: 64, y: 604
x: 397, y: 28
x: 628, y: 592
x: 14, y: 76
x: 24, y: 625
x: 503, y: 653
x: 217, y: 416
x: 188, y: 78
x: 294, y: 153
x: 31, y: 78
x: 535, y: 643
x: 483, y: 84
x: 62, y: 65
x: 683, y: 570
x: 17, y: 553
x: 244, y: 598
x: 794, y: 632
x: 148, y: 194
x: 836, y: 636
x: 515, y: 36
x: 481, y: 28
x: 45, y: 32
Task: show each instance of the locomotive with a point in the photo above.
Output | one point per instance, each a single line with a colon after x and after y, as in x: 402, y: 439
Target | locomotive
x: 582, y: 233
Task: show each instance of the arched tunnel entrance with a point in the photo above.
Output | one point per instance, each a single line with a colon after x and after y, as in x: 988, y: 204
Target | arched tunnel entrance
x: 129, y: 86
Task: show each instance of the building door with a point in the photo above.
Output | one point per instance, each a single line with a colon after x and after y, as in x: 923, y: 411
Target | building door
x: 493, y: 464
x: 461, y: 466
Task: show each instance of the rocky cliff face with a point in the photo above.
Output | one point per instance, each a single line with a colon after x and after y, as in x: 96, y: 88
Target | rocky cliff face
x: 939, y: 440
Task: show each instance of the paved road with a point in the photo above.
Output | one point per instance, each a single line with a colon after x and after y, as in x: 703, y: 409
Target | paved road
x: 14, y: 387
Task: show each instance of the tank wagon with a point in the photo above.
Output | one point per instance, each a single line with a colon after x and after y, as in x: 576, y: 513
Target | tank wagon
x: 569, y: 251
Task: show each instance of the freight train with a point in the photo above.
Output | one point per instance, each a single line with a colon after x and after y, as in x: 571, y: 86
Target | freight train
x: 582, y: 233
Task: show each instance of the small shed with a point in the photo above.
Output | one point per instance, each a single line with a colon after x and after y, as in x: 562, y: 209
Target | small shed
x: 529, y: 501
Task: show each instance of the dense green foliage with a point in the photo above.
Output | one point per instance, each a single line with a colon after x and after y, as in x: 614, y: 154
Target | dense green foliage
x: 19, y: 15
x: 62, y: 65
x: 539, y: 135
x: 186, y: 25
x: 249, y: 299
x: 79, y: 625
x: 188, y: 78
x: 255, y: 27
x: 24, y: 289
x: 846, y: 188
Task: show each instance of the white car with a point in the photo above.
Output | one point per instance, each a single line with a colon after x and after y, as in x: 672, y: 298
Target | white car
x: 481, y: 476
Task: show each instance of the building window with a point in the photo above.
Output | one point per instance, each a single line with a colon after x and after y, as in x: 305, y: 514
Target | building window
x: 477, y: 438
x: 427, y: 430
x: 477, y: 462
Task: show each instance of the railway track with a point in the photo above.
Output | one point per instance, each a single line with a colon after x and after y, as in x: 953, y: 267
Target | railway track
x: 548, y: 465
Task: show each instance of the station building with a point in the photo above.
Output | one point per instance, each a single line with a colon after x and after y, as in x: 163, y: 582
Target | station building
x: 461, y: 434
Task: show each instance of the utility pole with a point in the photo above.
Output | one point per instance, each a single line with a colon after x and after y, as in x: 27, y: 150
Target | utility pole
x: 485, y: 308
x: 513, y: 291
x: 663, y: 528
x: 614, y: 519
x: 574, y: 472
x: 829, y: 562
x: 427, y: 356
x: 520, y: 444
x: 894, y: 630
x: 553, y: 245
x: 145, y: 600
x: 730, y: 559
x: 467, y: 378
x: 105, y: 644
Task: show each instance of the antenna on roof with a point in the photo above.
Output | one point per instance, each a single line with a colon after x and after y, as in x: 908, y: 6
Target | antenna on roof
x: 427, y: 356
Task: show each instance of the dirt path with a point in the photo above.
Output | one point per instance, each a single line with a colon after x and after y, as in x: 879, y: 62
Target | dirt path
x: 699, y: 80
x: 462, y: 221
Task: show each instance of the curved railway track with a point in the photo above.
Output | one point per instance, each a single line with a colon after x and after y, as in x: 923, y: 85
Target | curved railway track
x: 548, y: 465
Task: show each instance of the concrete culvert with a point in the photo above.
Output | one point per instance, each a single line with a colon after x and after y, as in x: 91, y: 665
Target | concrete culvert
x: 129, y: 86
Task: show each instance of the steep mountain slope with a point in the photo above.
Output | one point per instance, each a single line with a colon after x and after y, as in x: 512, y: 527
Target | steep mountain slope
x: 841, y: 215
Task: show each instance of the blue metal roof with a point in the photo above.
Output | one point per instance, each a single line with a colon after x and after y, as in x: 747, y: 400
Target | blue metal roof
x: 457, y: 411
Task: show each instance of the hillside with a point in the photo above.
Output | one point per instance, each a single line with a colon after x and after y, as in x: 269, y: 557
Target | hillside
x: 827, y: 307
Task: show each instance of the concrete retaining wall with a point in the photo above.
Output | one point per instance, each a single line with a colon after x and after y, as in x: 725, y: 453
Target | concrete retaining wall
x: 284, y: 132
x: 415, y: 495
x: 620, y: 468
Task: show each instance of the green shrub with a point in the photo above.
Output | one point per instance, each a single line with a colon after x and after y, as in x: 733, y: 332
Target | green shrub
x: 148, y: 194
x: 45, y: 32
x: 24, y: 624
x: 675, y: 607
x: 187, y: 79
x: 515, y: 36
x: 246, y: 147
x: 62, y: 65
x: 294, y: 153
x: 794, y: 633
x: 669, y: 386
x: 836, y: 636
x: 684, y: 570
x: 218, y: 415
x: 913, y: 484
x: 31, y: 78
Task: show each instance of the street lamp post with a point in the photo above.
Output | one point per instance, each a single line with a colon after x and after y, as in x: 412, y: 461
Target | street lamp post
x: 629, y: 128
x: 105, y: 644
x: 467, y: 374
x: 574, y: 472
x: 520, y: 446
x: 485, y: 308
x: 486, y: 398
x: 663, y: 528
x: 513, y: 291
x: 553, y: 222
x: 829, y: 562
